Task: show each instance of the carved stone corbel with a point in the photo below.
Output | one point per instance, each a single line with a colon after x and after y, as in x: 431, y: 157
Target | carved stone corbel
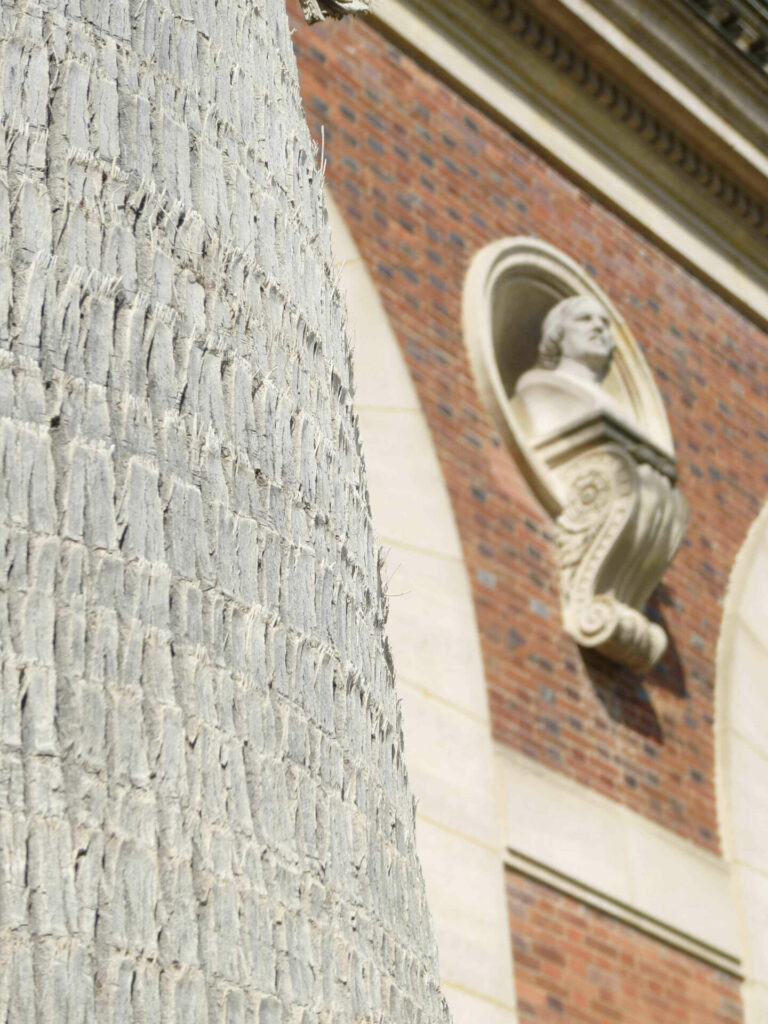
x: 621, y: 523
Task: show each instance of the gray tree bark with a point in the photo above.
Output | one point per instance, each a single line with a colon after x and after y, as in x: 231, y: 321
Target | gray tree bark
x: 204, y: 812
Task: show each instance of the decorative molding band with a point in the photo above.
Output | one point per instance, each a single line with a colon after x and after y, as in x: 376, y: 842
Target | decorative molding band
x: 621, y: 104
x: 742, y: 23
x: 453, y: 43
x: 629, y: 915
x: 600, y: 852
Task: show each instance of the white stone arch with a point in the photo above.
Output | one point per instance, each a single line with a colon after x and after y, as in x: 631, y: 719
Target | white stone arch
x: 440, y: 677
x: 742, y: 756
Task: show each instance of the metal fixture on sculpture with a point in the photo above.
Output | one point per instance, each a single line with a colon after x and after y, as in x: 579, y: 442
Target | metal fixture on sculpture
x: 319, y: 10
x: 607, y: 480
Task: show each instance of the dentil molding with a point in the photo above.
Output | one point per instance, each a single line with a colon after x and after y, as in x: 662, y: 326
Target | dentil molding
x: 742, y: 23
x: 643, y: 134
x: 611, y: 95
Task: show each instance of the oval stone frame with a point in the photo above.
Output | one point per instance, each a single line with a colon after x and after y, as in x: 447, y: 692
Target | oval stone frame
x: 607, y: 476
x: 510, y: 286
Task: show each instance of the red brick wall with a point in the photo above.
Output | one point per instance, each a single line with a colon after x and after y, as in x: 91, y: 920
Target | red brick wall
x: 574, y: 964
x: 424, y: 180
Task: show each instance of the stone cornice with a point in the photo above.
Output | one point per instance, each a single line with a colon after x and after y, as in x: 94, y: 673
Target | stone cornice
x: 622, y: 104
x: 687, y: 49
x: 613, y: 100
x: 742, y: 23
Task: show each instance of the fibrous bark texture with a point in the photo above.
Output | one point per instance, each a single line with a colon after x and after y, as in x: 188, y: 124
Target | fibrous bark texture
x: 204, y: 812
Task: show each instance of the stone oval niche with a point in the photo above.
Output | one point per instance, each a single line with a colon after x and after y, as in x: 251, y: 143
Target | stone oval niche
x: 588, y: 428
x: 510, y: 287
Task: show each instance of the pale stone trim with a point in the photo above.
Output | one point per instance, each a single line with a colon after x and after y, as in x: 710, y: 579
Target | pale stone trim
x: 521, y: 864
x: 486, y: 84
x: 437, y: 656
x: 741, y: 24
x: 676, y: 36
x: 664, y: 135
x: 742, y: 755
x: 599, y: 851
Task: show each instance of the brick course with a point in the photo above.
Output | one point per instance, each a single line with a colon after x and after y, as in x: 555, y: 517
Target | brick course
x: 576, y: 964
x: 424, y: 180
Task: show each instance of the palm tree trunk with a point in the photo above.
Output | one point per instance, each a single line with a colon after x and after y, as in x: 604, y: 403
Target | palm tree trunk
x: 204, y: 813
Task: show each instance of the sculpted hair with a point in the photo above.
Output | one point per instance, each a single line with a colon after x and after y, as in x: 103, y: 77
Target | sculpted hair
x: 552, y: 331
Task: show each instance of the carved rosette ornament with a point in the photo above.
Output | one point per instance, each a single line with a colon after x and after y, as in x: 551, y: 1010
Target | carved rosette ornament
x: 577, y: 404
x: 319, y: 10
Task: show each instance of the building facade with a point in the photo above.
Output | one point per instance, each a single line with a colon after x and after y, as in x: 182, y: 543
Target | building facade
x: 594, y: 837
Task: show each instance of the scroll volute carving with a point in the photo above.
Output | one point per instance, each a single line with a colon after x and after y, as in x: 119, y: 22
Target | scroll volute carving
x: 573, y: 397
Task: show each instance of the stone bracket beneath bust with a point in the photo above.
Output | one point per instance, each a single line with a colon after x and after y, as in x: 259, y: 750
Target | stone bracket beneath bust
x: 622, y: 521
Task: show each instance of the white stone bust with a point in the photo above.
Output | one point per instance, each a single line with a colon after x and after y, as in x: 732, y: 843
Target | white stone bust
x: 565, y: 386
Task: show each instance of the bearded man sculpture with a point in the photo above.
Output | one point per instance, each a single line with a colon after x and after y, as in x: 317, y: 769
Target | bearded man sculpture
x: 622, y: 518
x: 575, y: 354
